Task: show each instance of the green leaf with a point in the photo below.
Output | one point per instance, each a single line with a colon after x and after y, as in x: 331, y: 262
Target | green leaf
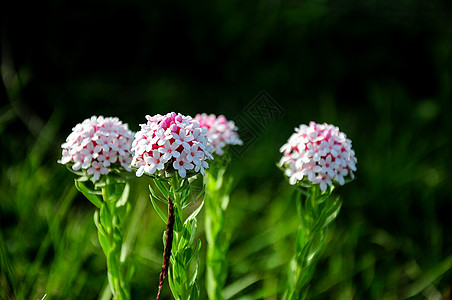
x: 303, y: 254
x: 124, y: 196
x: 224, y: 202
x: 103, y: 240
x: 333, y: 211
x: 174, y: 286
x: 113, y: 268
x: 195, y: 213
x: 90, y: 194
x: 195, y: 198
x: 428, y: 277
x: 239, y: 285
x: 194, y: 253
x: 184, y: 239
x: 193, y: 227
x: 98, y: 224
x: 162, y: 188
x: 316, y: 247
x: 106, y: 218
x: 178, y: 226
x: 102, y: 235
x: 5, y: 265
x: 157, y: 196
x: 162, y: 215
x: 194, y: 294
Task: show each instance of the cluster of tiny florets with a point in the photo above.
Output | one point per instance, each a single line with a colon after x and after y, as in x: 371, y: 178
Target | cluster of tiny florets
x: 171, y: 141
x: 220, y: 131
x: 318, y: 153
x: 96, y: 144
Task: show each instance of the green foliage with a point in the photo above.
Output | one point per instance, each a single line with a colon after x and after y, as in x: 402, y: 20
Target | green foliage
x: 183, y: 268
x: 380, y: 70
x: 218, y: 189
x: 316, y: 210
x: 109, y: 220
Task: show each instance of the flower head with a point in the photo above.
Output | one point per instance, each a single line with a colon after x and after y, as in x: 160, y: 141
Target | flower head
x: 96, y: 145
x: 318, y: 153
x: 220, y: 131
x: 172, y: 141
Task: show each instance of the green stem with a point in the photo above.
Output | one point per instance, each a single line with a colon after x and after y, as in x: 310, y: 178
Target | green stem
x: 216, y: 201
x: 111, y: 239
x: 316, y: 211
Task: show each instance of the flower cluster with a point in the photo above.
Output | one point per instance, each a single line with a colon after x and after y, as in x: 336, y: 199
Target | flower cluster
x: 220, y: 131
x: 319, y: 153
x: 171, y: 141
x: 97, y: 143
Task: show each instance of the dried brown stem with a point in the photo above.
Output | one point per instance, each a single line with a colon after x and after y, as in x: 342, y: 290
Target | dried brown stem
x: 168, y: 244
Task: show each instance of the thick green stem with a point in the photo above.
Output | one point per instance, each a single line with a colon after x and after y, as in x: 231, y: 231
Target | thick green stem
x: 216, y: 202
x: 111, y: 239
x: 110, y: 196
x: 316, y: 211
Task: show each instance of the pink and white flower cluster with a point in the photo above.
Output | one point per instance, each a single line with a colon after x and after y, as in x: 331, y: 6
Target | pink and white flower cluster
x: 319, y: 153
x: 220, y: 131
x: 172, y: 140
x: 97, y: 143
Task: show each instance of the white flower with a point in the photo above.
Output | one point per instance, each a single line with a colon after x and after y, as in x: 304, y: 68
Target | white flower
x: 328, y: 146
x: 200, y: 167
x: 182, y: 165
x: 163, y: 136
x: 219, y: 131
x: 96, y: 144
x: 194, y: 154
x: 176, y: 141
x: 66, y: 157
x: 323, y: 180
x: 318, y: 153
x: 340, y: 173
x: 97, y: 169
x: 108, y: 157
x: 169, y: 150
x: 103, y: 141
x: 183, y: 138
x: 314, y: 151
x: 328, y: 167
x: 310, y: 170
x: 154, y: 162
x: 90, y: 151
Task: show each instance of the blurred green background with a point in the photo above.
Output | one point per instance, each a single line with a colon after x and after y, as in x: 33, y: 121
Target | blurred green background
x: 380, y: 70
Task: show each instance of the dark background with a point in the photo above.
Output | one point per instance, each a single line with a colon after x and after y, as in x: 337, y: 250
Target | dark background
x: 380, y: 70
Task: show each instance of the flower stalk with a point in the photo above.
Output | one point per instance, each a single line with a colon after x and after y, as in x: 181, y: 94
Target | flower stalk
x: 221, y: 134
x: 110, y: 197
x: 316, y: 210
x: 218, y: 189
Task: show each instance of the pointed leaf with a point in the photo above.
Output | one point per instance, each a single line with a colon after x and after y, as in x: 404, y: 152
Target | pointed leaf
x: 157, y: 196
x: 194, y: 294
x: 158, y: 210
x: 195, y: 213
x: 106, y: 218
x: 195, y: 198
x: 90, y: 194
x: 162, y: 188
x: 124, y: 196
x: 102, y: 235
